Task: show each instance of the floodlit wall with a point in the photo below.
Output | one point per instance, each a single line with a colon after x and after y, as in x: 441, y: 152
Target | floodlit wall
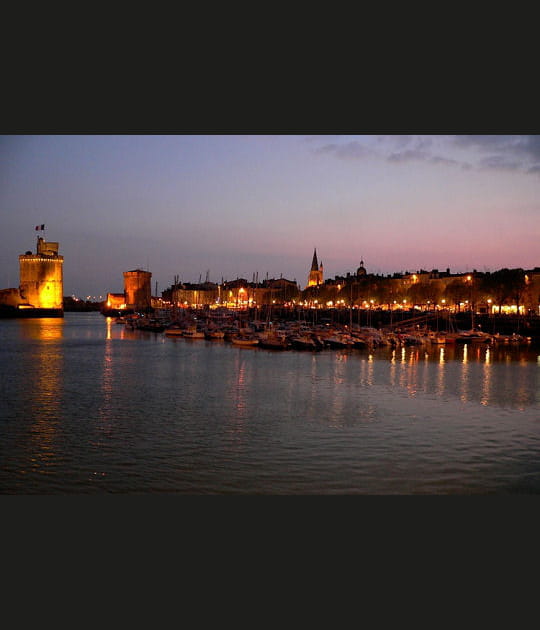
x: 10, y: 297
x: 41, y: 280
x: 137, y: 289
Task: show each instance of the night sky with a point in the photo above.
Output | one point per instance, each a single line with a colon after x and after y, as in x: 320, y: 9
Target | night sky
x: 237, y: 205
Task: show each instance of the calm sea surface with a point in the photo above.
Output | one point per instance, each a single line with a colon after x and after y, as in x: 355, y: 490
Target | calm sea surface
x: 87, y: 406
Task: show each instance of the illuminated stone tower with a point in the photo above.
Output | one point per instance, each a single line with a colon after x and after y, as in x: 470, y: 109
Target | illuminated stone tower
x: 316, y: 272
x: 137, y: 289
x: 41, y: 283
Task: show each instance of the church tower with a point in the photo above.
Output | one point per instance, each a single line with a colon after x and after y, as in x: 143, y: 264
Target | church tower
x: 361, y: 271
x: 316, y: 272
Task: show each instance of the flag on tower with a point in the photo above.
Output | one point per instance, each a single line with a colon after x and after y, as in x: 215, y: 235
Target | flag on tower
x: 42, y: 227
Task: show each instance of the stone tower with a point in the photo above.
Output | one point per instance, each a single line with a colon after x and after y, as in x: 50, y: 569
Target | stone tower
x: 137, y: 289
x: 41, y: 283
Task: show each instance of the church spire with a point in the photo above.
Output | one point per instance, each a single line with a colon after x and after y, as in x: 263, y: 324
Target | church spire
x: 315, y: 264
x: 316, y: 272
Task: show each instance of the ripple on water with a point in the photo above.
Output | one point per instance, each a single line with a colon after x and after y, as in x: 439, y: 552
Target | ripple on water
x: 83, y: 413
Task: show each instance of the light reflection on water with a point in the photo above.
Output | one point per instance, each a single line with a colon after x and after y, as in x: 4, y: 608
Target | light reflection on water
x: 88, y: 406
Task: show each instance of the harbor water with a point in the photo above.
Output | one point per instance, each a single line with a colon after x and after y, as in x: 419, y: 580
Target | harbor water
x: 88, y: 407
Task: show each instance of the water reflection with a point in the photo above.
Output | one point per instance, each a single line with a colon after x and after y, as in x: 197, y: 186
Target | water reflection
x: 366, y: 370
x: 82, y: 398
x: 240, y: 402
x: 490, y: 375
x: 393, y: 368
x: 45, y: 387
x: 238, y: 412
x: 464, y: 375
x: 336, y: 412
x: 441, y: 372
x: 43, y: 329
x: 107, y: 379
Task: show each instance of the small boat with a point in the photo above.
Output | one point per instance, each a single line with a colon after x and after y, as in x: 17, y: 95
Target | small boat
x: 303, y: 342
x: 214, y: 334
x: 150, y: 324
x: 130, y: 322
x: 230, y: 332
x: 513, y: 338
x: 271, y: 340
x: 241, y: 340
x: 360, y: 342
x: 193, y: 333
x: 339, y: 341
x: 174, y: 331
x: 465, y: 336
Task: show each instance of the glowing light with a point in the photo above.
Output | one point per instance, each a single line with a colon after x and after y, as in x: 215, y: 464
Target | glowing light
x: 441, y: 356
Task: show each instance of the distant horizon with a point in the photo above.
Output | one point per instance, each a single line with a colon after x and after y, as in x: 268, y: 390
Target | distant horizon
x: 236, y: 205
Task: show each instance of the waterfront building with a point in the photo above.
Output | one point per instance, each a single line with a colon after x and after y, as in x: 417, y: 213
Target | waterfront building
x: 238, y: 293
x: 116, y: 301
x: 196, y: 295
x: 532, y: 291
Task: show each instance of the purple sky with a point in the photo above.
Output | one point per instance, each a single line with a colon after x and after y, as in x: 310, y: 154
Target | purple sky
x: 236, y: 205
